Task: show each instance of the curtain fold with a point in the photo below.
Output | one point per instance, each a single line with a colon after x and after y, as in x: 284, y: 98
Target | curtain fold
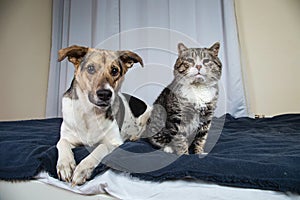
x: 152, y: 29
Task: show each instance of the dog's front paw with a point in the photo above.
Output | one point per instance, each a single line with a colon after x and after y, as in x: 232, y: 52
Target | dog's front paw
x: 82, y: 172
x: 65, y: 168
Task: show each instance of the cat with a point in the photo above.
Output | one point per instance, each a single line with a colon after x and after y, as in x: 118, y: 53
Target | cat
x: 182, y: 113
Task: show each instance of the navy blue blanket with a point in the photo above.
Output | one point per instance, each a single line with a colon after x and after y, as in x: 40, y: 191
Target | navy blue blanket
x: 251, y: 153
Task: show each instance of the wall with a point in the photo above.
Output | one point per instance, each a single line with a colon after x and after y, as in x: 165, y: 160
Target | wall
x: 25, y: 39
x: 269, y: 33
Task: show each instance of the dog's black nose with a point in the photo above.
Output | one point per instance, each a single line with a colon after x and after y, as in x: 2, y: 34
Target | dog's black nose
x: 104, y: 95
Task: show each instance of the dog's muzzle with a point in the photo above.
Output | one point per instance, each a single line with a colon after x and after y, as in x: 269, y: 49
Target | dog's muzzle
x: 104, y: 95
x: 103, y: 98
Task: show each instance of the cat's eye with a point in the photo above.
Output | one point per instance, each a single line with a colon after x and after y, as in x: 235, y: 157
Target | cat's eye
x: 190, y: 60
x: 114, y: 71
x: 205, y: 61
x: 91, y: 69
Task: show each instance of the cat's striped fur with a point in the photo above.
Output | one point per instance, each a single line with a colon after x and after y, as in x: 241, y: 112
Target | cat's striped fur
x: 182, y: 114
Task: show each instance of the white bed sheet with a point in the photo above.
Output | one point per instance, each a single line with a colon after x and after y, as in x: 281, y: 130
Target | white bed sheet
x: 36, y: 190
x: 123, y: 186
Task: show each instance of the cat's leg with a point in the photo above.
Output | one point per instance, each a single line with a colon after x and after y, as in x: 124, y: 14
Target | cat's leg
x: 200, y: 138
x: 161, y: 138
x: 179, y: 145
x: 170, y: 141
x: 199, y: 143
x: 206, y: 115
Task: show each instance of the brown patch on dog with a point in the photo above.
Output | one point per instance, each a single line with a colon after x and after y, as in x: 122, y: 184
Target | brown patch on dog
x: 74, y: 53
x: 129, y: 58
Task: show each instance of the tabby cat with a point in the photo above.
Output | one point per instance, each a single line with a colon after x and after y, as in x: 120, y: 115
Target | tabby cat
x: 182, y: 114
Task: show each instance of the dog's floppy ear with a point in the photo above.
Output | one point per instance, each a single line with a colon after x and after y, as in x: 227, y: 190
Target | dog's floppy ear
x: 128, y: 58
x: 74, y: 53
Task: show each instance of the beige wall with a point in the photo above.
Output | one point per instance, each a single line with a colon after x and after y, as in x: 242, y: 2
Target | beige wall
x: 269, y: 33
x: 25, y: 39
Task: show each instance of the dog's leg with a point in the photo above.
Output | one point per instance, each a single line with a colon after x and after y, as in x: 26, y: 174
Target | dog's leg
x: 65, y: 163
x: 85, y: 168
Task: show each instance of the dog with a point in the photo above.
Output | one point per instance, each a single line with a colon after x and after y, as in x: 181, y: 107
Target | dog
x: 94, y: 110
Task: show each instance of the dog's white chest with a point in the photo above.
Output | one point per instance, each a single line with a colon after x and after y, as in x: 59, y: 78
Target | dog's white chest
x: 94, y: 128
x: 88, y: 127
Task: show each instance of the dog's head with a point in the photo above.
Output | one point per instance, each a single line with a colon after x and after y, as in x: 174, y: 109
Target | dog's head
x: 99, y: 73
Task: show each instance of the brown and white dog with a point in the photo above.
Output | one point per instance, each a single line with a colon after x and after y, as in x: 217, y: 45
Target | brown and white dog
x: 93, y: 107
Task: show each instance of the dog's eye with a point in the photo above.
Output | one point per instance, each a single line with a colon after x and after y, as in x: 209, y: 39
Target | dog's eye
x: 114, y: 71
x: 91, y: 69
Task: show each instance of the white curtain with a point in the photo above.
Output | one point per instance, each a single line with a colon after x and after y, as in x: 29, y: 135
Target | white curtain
x: 152, y: 29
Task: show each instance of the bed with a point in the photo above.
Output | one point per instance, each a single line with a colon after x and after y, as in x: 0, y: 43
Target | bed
x: 247, y: 158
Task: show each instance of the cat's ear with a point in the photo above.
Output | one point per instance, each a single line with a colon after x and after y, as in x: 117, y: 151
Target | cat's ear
x: 215, y: 48
x: 181, y: 47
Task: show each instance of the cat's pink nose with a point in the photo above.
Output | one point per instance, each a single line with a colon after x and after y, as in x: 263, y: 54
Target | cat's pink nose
x: 198, y: 67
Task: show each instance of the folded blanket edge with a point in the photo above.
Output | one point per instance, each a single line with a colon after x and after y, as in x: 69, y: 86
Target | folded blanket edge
x: 229, y: 180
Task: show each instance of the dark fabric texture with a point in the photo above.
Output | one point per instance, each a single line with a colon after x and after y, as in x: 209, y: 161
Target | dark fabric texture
x: 250, y: 153
x: 22, y: 143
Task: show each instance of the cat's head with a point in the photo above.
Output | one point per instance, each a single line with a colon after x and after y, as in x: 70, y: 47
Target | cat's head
x: 199, y: 66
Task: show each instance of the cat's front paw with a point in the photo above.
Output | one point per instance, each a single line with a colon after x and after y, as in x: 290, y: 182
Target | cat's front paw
x: 178, y: 151
x: 168, y: 149
x: 199, y: 150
